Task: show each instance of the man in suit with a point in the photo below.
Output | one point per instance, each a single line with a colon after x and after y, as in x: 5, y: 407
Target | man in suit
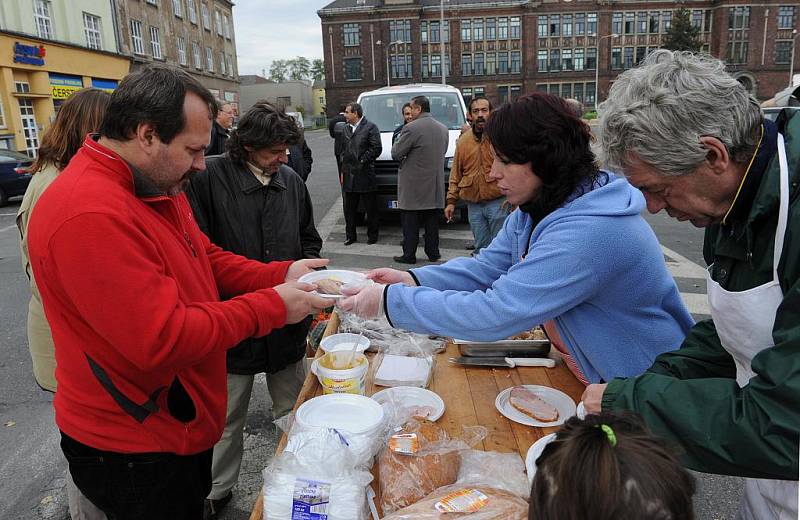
x: 361, y: 146
x: 220, y: 131
x: 335, y: 131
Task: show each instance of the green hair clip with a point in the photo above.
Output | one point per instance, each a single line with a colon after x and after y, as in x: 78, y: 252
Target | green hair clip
x: 612, y: 437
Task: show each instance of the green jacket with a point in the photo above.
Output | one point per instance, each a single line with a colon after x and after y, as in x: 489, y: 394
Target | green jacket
x: 690, y: 396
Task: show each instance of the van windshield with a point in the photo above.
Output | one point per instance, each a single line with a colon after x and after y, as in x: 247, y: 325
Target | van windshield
x: 385, y: 109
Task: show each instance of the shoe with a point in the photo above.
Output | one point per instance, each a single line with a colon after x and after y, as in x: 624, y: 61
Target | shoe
x: 372, y: 241
x: 404, y: 260
x: 350, y: 241
x: 434, y: 258
x: 212, y: 507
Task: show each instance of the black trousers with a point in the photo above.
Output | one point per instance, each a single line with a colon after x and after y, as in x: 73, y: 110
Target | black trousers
x: 351, y: 200
x: 153, y: 486
x: 411, y: 221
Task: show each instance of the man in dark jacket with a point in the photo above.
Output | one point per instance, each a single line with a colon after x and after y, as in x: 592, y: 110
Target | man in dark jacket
x: 249, y: 202
x: 362, y: 145
x: 219, y: 130
x: 335, y: 130
x: 301, y: 159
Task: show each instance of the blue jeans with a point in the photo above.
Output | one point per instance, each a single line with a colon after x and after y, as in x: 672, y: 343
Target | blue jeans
x: 486, y: 220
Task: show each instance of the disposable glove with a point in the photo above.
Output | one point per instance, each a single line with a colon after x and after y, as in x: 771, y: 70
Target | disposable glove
x: 365, y: 301
x: 389, y: 276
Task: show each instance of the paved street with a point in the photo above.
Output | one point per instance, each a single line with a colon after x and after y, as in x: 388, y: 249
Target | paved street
x: 32, y: 467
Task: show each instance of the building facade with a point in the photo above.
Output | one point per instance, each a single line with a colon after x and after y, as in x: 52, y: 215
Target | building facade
x: 504, y: 48
x: 196, y: 35
x: 292, y: 95
x: 49, y: 50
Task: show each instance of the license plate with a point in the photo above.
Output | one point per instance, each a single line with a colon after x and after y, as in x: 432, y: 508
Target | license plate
x: 392, y: 204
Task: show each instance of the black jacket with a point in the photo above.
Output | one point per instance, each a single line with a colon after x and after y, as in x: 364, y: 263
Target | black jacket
x: 358, y: 157
x: 218, y: 137
x: 265, y: 223
x: 336, y: 136
x: 300, y: 160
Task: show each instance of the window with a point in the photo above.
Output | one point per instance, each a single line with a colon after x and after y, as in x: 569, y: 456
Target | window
x: 542, y: 26
x: 641, y: 52
x: 579, y: 63
x: 153, y: 2
x: 577, y: 91
x: 353, y: 69
x: 641, y: 22
x: 479, y: 91
x: 400, y: 30
x: 352, y: 35
x: 218, y: 22
x: 491, y: 63
x: 466, y: 64
x: 41, y: 15
x: 478, y: 64
x: 666, y: 21
x: 541, y: 61
x: 136, y: 37
x: 226, y: 26
x: 91, y: 29
x: 589, y: 100
x: 198, y: 64
x: 566, y: 90
x: 209, y: 59
x: 616, y: 23
x: 222, y: 68
x: 580, y: 24
x: 515, y: 92
x: 502, y: 28
x: 697, y: 19
x: 630, y: 26
x: 2, y: 116
x: 177, y: 8
x: 592, y: 26
x: 516, y: 62
x: 502, y: 62
x: 516, y: 27
x: 477, y: 30
x: 555, y: 25
x: 555, y: 89
x: 785, y: 18
x: 491, y: 29
x: 192, y: 8
x: 616, y: 58
x: 466, y: 30
x: 435, y: 33
x: 566, y: 25
x: 739, y: 18
x: 628, y: 58
x: 783, y: 51
x: 566, y: 59
x: 231, y: 71
x: 738, y: 34
x: 155, y: 42
x: 555, y: 60
x: 204, y: 16
x: 436, y: 65
x: 423, y: 32
x: 181, y: 50
x: 654, y: 16
x: 401, y: 66
x: 466, y: 93
x: 446, y: 32
x: 591, y: 58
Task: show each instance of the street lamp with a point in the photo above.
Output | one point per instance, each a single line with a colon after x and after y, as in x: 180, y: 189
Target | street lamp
x: 791, y: 62
x: 597, y: 69
x: 388, y: 48
x: 442, y: 42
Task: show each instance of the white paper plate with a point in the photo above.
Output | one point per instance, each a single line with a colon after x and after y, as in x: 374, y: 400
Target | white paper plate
x: 534, y: 451
x: 558, y: 399
x: 335, y: 274
x: 412, y: 396
x: 344, y: 341
x: 348, y: 412
x: 580, y: 412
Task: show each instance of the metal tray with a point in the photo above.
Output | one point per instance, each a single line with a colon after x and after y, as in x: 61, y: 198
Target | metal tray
x: 504, y: 348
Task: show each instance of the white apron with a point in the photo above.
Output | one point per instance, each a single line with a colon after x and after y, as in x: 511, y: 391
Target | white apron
x: 744, y: 322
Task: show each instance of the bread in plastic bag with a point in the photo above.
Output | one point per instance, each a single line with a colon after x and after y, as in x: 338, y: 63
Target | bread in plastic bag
x: 501, y: 470
x: 471, y: 502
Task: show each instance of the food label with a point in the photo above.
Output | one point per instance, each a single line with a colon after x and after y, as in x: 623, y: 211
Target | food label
x: 406, y: 443
x: 311, y: 499
x: 462, y: 501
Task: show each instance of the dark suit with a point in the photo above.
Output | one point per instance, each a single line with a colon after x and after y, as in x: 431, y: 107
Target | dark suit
x: 360, y: 149
x: 337, y: 140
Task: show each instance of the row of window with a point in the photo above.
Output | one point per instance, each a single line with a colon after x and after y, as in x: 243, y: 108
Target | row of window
x: 137, y: 42
x: 473, y: 29
x: 479, y: 63
x: 567, y: 25
x: 221, y: 21
x: 582, y: 91
x: 504, y: 93
x: 44, y: 25
x: 491, y: 29
x: 558, y: 60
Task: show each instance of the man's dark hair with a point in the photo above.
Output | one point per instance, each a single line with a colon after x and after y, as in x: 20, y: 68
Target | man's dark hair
x: 407, y: 105
x: 475, y: 99
x: 356, y: 109
x: 422, y: 102
x: 342, y: 107
x: 153, y: 95
x: 262, y: 126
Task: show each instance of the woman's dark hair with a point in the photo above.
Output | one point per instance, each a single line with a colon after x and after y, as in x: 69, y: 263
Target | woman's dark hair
x: 262, y: 126
x: 583, y: 474
x: 80, y: 114
x: 541, y: 129
x: 153, y: 95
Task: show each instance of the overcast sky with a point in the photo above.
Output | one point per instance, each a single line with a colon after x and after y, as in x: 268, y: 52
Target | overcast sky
x: 269, y: 30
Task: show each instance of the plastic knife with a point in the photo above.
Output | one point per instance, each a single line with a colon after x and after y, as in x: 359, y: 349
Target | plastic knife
x: 504, y: 362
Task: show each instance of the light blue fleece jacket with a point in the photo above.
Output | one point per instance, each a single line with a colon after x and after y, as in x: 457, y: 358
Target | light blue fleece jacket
x: 594, y: 265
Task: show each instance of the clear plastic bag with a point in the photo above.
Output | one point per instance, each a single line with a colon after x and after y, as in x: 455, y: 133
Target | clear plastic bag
x: 384, y: 337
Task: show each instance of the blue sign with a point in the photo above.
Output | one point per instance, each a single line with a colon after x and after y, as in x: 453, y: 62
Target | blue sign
x: 29, y: 54
x: 104, y: 84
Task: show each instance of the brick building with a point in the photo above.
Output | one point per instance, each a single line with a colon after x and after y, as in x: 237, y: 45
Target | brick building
x: 503, y: 48
x: 196, y: 35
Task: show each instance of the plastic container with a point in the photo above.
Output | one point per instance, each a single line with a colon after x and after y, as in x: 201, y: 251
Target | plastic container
x: 348, y: 381
x: 344, y: 341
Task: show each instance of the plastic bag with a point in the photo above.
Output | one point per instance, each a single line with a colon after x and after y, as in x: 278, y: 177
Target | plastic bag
x: 419, y: 458
x: 392, y: 369
x: 316, y: 474
x: 502, y: 470
x: 383, y: 336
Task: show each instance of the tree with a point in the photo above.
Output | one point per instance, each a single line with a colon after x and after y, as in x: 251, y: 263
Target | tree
x: 299, y: 68
x: 278, y: 70
x: 318, y: 69
x: 682, y: 35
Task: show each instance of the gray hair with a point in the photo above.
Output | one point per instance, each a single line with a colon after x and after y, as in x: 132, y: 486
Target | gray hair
x: 660, y: 110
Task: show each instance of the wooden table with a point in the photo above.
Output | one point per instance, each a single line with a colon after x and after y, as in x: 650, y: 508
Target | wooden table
x: 469, y: 394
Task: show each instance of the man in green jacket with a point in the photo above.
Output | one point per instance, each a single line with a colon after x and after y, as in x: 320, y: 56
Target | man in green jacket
x: 691, y: 138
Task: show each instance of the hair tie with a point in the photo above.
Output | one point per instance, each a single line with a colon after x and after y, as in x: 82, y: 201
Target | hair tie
x: 612, y: 437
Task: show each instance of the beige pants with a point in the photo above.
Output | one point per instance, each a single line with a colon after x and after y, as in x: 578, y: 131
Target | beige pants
x: 283, y: 387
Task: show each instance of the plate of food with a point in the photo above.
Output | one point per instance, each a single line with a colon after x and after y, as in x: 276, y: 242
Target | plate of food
x: 329, y: 282
x: 424, y: 403
x: 536, y: 449
x: 535, y: 405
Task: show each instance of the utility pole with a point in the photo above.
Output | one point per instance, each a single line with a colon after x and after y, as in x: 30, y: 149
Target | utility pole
x: 442, y: 42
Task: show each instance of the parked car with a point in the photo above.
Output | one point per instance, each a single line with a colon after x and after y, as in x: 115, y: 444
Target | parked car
x: 383, y: 107
x: 14, y: 176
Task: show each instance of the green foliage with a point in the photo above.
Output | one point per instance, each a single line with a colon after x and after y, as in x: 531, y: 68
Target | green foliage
x: 299, y: 68
x: 318, y: 69
x: 279, y: 70
x: 682, y: 35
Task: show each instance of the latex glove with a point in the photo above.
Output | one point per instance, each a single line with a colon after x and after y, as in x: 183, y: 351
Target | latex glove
x: 301, y: 267
x: 365, y: 301
x: 593, y: 398
x: 387, y: 275
x: 300, y: 301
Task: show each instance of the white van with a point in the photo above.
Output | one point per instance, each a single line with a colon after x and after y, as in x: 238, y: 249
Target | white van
x: 384, y: 108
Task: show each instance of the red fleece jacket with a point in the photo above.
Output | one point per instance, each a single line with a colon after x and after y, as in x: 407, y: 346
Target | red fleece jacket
x: 131, y: 288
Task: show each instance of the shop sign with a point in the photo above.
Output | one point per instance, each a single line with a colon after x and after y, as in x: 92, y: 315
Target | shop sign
x: 105, y: 84
x: 63, y: 86
x: 29, y: 54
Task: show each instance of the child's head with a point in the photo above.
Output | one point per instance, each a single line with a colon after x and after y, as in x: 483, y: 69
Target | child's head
x: 610, y: 467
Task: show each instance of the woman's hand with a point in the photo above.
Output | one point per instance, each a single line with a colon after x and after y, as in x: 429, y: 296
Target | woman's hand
x: 388, y: 276
x: 593, y: 398
x: 301, y: 267
x: 365, y: 301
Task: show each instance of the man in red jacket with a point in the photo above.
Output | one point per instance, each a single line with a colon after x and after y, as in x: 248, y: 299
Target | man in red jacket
x: 131, y: 289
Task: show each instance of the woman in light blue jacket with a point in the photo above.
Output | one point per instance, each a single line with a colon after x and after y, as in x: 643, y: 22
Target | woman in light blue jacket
x: 576, y: 256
